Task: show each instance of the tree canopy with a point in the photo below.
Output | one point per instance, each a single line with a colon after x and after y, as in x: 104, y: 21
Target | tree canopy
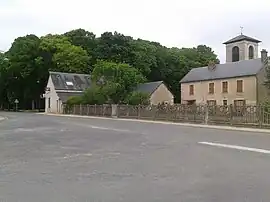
x: 116, y: 79
x: 114, y: 58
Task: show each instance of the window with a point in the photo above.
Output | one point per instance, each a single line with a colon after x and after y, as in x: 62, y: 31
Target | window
x: 211, y: 88
x: 49, y: 102
x: 225, y: 87
x: 239, y: 87
x: 239, y: 103
x: 239, y: 107
x: 191, y: 102
x: 211, y: 102
x: 235, y: 54
x: 191, y: 89
x: 250, y: 52
x: 225, y: 102
x: 69, y: 83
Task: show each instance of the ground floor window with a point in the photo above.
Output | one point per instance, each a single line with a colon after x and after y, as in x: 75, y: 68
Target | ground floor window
x: 191, y: 102
x: 239, y: 103
x: 49, y: 102
x: 239, y: 107
x: 211, y: 106
x: 211, y: 102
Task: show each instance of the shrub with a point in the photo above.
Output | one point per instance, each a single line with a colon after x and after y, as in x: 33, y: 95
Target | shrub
x: 138, y: 98
x: 74, y: 100
x: 94, y: 95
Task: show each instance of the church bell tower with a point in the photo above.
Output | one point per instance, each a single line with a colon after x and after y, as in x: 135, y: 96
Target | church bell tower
x: 241, y: 47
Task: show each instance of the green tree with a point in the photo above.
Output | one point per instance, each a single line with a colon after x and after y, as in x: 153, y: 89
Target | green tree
x: 4, y: 65
x: 86, y: 40
x: 25, y: 75
x: 116, y: 79
x: 114, y: 47
x: 143, y: 56
x: 119, y: 63
x: 82, y: 38
x: 137, y: 98
x: 206, y: 54
x: 60, y: 55
x: 74, y: 100
x: 94, y: 95
x: 174, y: 63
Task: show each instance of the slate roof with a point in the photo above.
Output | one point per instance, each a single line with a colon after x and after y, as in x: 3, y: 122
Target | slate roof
x: 82, y: 81
x: 65, y: 95
x: 149, y: 87
x: 62, y: 81
x: 224, y: 71
x: 242, y: 38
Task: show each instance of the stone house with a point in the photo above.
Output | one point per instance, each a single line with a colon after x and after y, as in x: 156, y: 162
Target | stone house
x: 61, y: 86
x: 158, y: 91
x: 239, y: 81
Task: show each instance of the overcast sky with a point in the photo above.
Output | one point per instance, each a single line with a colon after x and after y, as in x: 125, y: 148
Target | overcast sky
x: 178, y: 23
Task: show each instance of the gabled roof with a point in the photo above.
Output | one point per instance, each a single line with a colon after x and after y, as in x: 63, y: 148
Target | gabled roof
x: 149, y: 87
x: 70, y: 81
x: 242, y: 38
x: 224, y: 71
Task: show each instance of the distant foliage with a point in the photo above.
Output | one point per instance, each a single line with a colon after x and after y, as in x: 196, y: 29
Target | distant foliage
x: 74, y: 100
x: 130, y: 61
x: 267, y: 69
x: 116, y: 80
x: 94, y: 95
x: 266, y: 106
x: 138, y: 98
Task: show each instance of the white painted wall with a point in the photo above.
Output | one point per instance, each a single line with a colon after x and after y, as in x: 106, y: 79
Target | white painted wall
x: 55, y: 105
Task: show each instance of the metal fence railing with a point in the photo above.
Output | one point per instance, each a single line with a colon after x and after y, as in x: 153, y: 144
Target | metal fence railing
x: 252, y: 116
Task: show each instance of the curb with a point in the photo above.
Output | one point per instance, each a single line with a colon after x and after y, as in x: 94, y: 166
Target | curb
x: 167, y: 123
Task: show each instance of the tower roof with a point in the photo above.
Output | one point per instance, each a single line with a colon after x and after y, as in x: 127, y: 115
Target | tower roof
x: 242, y: 37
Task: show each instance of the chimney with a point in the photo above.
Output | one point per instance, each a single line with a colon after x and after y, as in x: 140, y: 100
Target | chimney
x: 263, y: 55
x: 211, y: 66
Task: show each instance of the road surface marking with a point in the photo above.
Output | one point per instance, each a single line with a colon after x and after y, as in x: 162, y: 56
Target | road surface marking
x: 76, y: 155
x: 113, y: 129
x: 103, y: 128
x: 236, y: 147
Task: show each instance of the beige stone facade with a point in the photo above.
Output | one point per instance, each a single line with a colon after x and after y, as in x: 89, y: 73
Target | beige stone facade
x: 239, y: 81
x: 201, y: 91
x: 162, y: 94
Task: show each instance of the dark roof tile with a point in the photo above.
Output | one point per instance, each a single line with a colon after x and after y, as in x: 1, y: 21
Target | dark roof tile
x: 242, y: 38
x: 148, y: 87
x: 223, y: 71
x: 70, y: 81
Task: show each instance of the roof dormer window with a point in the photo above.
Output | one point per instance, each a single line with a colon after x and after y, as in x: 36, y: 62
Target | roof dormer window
x: 69, y: 83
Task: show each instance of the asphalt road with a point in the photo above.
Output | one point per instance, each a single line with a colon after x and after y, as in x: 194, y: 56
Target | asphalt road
x: 55, y: 159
